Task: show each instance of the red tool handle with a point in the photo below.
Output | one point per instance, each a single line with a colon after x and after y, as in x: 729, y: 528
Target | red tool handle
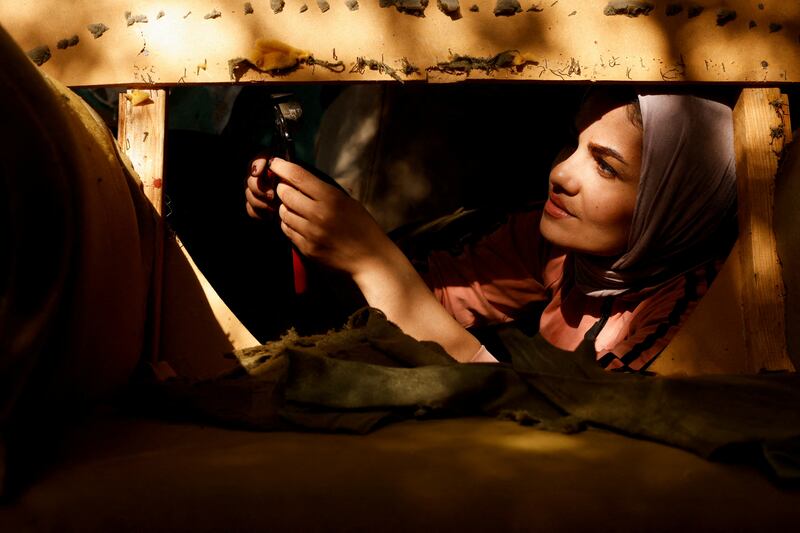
x: 300, y: 280
x: 298, y: 268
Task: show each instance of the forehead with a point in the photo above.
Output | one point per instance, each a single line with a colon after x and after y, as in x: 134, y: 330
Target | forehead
x: 605, y: 106
x: 608, y: 123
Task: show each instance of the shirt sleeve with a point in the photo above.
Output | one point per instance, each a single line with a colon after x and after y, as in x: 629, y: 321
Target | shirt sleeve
x: 495, y: 278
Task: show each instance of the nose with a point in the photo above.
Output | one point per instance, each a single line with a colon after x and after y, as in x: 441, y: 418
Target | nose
x: 563, y: 175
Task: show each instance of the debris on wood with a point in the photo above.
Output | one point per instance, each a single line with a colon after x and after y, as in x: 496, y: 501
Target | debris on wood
x: 248, y: 8
x: 451, y: 8
x: 463, y: 64
x: 362, y: 64
x: 212, y: 15
x: 725, y: 16
x: 409, y: 7
x: 630, y: 9
x: 507, y: 8
x: 133, y: 19
x: 40, y: 55
x: 138, y: 98
x: 63, y: 44
x: 268, y: 55
x: 97, y: 29
x: 694, y: 11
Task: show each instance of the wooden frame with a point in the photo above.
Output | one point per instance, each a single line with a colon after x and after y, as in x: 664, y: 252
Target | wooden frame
x: 185, y: 42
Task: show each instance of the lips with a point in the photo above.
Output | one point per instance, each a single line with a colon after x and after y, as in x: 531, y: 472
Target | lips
x: 555, y: 208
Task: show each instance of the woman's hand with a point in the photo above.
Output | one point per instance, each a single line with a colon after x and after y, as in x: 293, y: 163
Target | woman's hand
x: 326, y: 224
x: 261, y: 199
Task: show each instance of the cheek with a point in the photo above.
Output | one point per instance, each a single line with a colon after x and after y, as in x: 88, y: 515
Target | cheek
x: 611, y: 208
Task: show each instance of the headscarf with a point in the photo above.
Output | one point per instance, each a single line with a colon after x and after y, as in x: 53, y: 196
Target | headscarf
x: 686, y: 197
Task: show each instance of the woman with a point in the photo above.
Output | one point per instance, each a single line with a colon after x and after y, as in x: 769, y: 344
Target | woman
x: 638, y: 211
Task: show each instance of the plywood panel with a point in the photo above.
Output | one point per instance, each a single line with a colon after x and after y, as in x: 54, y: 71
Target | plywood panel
x: 759, y: 128
x: 562, y: 39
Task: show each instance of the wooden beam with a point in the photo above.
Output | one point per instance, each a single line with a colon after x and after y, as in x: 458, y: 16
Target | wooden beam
x: 760, y: 133
x: 192, y: 41
x: 141, y: 134
x: 191, y: 326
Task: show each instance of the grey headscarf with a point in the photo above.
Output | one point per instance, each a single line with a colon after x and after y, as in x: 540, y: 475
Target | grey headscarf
x: 686, y: 196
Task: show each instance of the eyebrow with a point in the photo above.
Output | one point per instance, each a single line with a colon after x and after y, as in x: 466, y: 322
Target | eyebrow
x: 607, y: 151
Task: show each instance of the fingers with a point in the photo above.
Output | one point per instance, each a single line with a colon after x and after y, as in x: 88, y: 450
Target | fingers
x: 296, y: 200
x: 293, y: 220
x: 257, y: 201
x: 260, y: 190
x: 257, y: 166
x: 300, y: 179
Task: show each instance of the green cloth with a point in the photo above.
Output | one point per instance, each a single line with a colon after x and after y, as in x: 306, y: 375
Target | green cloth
x: 370, y: 373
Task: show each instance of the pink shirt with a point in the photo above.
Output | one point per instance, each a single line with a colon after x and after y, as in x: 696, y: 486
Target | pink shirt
x: 498, y: 277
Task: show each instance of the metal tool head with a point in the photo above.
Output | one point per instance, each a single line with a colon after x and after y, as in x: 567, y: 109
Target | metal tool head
x: 288, y: 113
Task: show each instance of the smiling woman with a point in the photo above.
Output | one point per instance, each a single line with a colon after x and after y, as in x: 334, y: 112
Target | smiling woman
x: 593, y: 184
x: 639, y: 216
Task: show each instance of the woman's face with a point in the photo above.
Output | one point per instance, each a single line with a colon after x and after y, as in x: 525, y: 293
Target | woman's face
x: 593, y: 184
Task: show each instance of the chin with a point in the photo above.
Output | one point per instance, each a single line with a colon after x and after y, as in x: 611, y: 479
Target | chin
x: 575, y: 240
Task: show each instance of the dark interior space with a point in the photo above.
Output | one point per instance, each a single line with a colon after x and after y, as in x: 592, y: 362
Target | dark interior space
x: 486, y: 146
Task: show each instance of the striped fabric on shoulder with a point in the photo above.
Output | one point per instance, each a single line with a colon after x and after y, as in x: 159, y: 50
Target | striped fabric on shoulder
x: 660, y: 318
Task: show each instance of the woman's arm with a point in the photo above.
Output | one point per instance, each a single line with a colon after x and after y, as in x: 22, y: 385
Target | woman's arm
x: 334, y: 229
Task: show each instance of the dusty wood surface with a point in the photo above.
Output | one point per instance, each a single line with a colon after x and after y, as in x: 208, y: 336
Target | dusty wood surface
x: 787, y: 235
x: 192, y: 326
x: 760, y: 131
x: 198, y: 328
x: 141, y: 135
x: 712, y: 339
x: 563, y: 39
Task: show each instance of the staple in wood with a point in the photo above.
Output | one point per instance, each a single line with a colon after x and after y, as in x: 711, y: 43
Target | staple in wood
x: 212, y: 15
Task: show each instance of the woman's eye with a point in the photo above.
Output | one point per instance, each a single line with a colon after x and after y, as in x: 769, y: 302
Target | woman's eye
x: 605, y: 168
